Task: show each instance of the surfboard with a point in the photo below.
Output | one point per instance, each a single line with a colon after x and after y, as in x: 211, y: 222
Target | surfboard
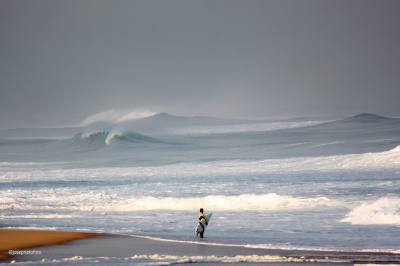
x: 199, y: 228
x: 208, y: 217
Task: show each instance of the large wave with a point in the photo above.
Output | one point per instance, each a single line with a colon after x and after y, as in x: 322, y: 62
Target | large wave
x: 364, y: 132
x: 385, y: 210
x: 155, y: 123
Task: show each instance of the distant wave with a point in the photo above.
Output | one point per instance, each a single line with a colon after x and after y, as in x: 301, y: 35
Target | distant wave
x: 105, y: 137
x: 164, y: 123
x: 366, y: 161
x: 116, y: 116
x: 242, y: 128
x: 364, y: 121
x: 385, y: 210
x: 368, y: 117
x: 156, y: 124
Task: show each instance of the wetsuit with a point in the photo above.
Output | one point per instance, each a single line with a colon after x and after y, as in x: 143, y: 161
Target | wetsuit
x: 202, y: 222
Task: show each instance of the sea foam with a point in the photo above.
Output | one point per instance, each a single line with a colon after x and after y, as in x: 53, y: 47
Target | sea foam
x: 69, y: 200
x: 385, y: 210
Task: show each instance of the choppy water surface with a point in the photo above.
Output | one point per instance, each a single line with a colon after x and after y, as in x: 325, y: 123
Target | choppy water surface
x: 287, y: 184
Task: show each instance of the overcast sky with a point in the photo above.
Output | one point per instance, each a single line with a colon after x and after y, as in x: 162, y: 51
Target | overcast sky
x: 61, y: 61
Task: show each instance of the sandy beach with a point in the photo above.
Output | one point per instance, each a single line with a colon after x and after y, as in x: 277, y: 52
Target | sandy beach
x: 65, y: 248
x: 16, y: 240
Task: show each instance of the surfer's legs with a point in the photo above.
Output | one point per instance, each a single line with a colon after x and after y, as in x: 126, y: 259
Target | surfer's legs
x: 202, y: 231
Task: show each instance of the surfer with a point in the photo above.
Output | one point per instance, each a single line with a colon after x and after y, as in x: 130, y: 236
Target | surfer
x: 202, y: 223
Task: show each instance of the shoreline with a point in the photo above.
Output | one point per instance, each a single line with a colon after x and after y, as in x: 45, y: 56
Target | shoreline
x: 82, y: 247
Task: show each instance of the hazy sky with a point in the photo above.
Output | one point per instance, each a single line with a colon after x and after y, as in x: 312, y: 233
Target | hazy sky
x: 61, y: 61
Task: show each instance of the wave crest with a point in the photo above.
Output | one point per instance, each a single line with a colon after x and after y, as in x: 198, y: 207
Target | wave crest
x: 114, y: 116
x: 385, y: 210
x: 101, y: 138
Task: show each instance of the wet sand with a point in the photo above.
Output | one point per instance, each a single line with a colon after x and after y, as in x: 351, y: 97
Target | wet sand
x: 133, y: 249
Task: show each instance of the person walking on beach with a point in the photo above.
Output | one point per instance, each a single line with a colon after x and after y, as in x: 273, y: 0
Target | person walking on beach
x: 202, y: 223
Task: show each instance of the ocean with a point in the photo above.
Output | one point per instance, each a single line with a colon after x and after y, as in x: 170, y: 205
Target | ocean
x: 283, y: 184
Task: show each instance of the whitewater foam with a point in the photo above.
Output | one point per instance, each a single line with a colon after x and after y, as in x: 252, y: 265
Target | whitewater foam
x: 385, y: 210
x: 112, y: 202
x: 165, y: 259
x: 173, y: 259
x: 111, y: 136
x: 106, y: 137
x: 244, y: 202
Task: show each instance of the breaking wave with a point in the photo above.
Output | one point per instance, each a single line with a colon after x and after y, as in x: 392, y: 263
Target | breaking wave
x: 385, y: 210
x: 111, y: 202
x: 244, y: 202
x: 106, y: 138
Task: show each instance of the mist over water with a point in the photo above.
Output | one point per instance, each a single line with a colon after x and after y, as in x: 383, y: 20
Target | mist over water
x: 295, y: 183
x: 107, y: 125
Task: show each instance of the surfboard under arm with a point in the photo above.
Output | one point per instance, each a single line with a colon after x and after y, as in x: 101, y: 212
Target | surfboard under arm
x: 208, y: 216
